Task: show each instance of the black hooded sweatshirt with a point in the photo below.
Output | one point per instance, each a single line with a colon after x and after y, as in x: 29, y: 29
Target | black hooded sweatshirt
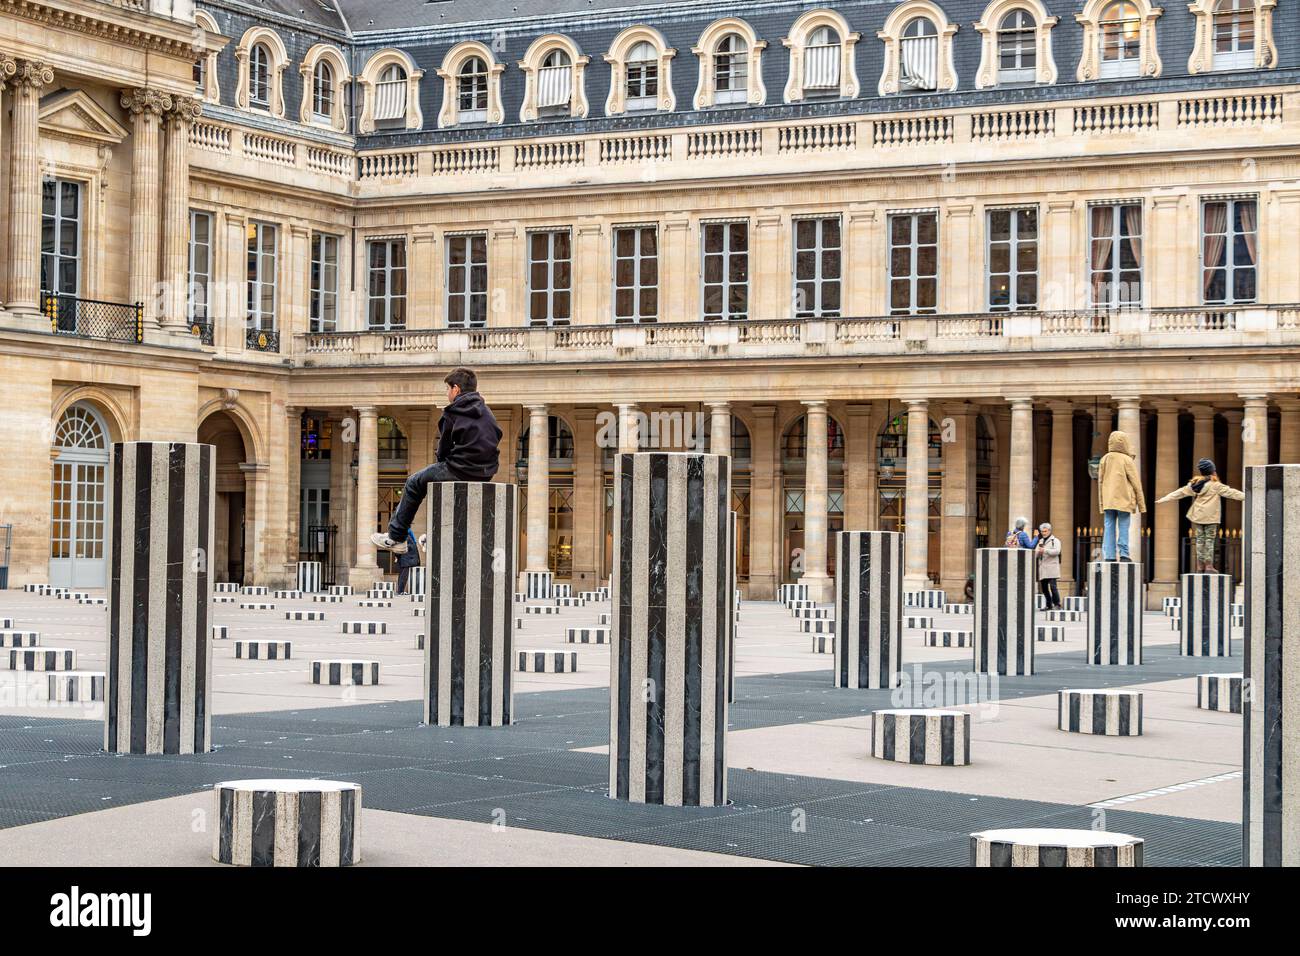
x: 468, y: 437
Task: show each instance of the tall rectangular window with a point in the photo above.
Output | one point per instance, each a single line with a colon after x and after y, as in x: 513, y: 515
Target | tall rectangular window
x: 467, y: 293
x: 1229, y: 251
x: 725, y: 272
x: 200, y: 264
x: 550, y: 277
x: 61, y: 236
x: 261, y: 276
x: 914, y: 263
x: 1012, y: 259
x: 387, y: 283
x: 817, y: 267
x: 1115, y: 255
x: 636, y: 274
x: 323, y: 312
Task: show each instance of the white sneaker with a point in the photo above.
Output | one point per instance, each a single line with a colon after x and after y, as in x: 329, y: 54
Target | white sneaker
x: 381, y: 540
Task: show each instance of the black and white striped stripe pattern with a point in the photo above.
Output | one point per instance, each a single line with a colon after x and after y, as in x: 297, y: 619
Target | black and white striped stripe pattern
x: 264, y: 650
x: 538, y: 585
x: 75, y: 687
x: 959, y: 609
x: 93, y: 599
x: 1050, y: 632
x: 375, y: 602
x: 1219, y: 692
x: 344, y: 672
x: 1075, y: 602
x: 224, y: 599
x: 34, y: 588
x: 1176, y: 623
x: 472, y: 543
x: 42, y: 659
x: 561, y: 590
x: 365, y: 627
x: 586, y: 596
x: 930, y: 597
x: 792, y: 592
x: 1238, y: 615
x: 6, y: 623
x: 807, y: 613
x: 1004, y: 611
x: 949, y: 638
x: 603, y: 618
x: 733, y: 616
x: 256, y: 606
x: 418, y: 582
x: 937, y: 738
x: 327, y: 598
x: 1170, y: 606
x: 546, y: 662
x: 1271, y: 778
x: 342, y: 589
x: 419, y: 611
x: 159, y: 649
x: 256, y: 590
x: 586, y: 635
x: 1116, y: 599
x: 823, y: 644
x: 1063, y: 616
x: 1108, y: 712
x: 287, y: 595
x: 220, y: 632
x: 226, y: 587
x: 569, y: 602
x: 817, y: 625
x: 540, y: 609
x: 304, y: 615
x: 918, y: 621
x: 672, y: 596
x: 869, y: 601
x: 305, y: 823
x: 1054, y: 848
x: 19, y: 638
x: 309, y: 576
x: 1204, y: 631
x: 382, y: 589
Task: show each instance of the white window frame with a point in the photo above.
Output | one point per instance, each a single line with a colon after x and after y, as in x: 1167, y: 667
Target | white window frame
x: 646, y: 74
x: 323, y: 282
x: 467, y: 297
x: 262, y: 277
x: 1229, y: 267
x: 388, y: 300
x: 550, y: 291
x: 914, y: 247
x: 52, y: 259
x: 323, y: 94
x: 820, y: 283
x: 932, y: 40
x: 478, y: 95
x: 199, y: 280
x: 737, y: 71
x: 1113, y: 300
x: 1239, y: 56
x: 259, y: 76
x: 725, y: 283
x: 1021, y: 42
x: 1013, y: 244
x: 1126, y: 64
x: 834, y: 55
x: 639, y: 285
x: 314, y: 505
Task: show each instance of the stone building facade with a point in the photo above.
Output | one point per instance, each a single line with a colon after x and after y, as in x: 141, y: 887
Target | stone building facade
x: 909, y: 263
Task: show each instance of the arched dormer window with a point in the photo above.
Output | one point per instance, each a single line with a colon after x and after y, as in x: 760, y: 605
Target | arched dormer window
x: 325, y: 77
x: 1233, y: 35
x: 1016, y: 47
x: 640, y: 63
x: 918, y: 50
x: 471, y: 86
x: 553, y: 70
x: 821, y: 57
x: 730, y: 56
x: 390, y: 90
x: 262, y: 61
x: 1119, y: 40
x: 206, y: 83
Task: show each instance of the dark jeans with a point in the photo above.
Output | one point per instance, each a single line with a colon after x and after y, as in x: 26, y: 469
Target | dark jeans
x: 417, y: 486
x: 1050, y: 593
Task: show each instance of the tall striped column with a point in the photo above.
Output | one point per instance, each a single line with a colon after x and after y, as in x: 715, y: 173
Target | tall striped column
x: 869, y: 609
x: 1205, y: 602
x: 470, y: 603
x: 309, y: 576
x: 162, y: 503
x: 731, y: 607
x: 1004, y: 611
x: 1271, y: 782
x: 1116, y: 596
x: 672, y: 597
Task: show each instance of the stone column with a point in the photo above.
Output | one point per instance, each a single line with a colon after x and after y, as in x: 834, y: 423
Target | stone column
x: 916, y: 518
x: 629, y: 431
x: 1165, y: 582
x: 1020, y: 490
x: 1204, y: 615
x: 176, y: 209
x: 146, y: 108
x: 868, y: 609
x: 814, y: 502
x: 539, y: 488
x: 719, y: 427
x: 859, y: 467
x: 1202, y: 433
x: 1116, y: 598
x: 8, y: 67
x: 1288, y: 451
x: 1130, y: 423
x: 1061, y: 494
x: 292, y: 492
x: 366, y: 569
x: 1230, y: 468
x: 1254, y: 432
x: 1101, y: 429
x: 1004, y: 611
x: 958, y: 497
x: 765, y: 514
x: 30, y: 78
x: 588, y: 503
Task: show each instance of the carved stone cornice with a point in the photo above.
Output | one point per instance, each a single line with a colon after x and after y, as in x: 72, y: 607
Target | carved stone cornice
x: 139, y: 101
x: 119, y: 25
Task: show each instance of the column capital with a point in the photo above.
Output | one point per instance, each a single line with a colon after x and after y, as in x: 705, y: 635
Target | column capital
x: 1061, y: 406
x: 32, y: 75
x: 1020, y: 402
x: 724, y: 406
x: 1167, y: 406
x: 1201, y: 411
x: 536, y: 410
x: 184, y: 111
x: 923, y: 403
x: 1127, y: 402
x: 619, y: 405
x: 815, y: 405
x: 1250, y: 400
x: 146, y: 102
x: 367, y: 411
x: 1288, y: 403
x: 8, y: 67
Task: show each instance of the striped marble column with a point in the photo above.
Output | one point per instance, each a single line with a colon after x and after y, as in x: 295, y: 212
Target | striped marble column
x: 672, y: 597
x: 1116, y: 597
x: 287, y: 823
x: 470, y: 603
x: 935, y: 737
x: 1204, y: 602
x: 1271, y: 778
x: 869, y: 609
x: 1106, y: 712
x: 162, y: 498
x: 732, y: 612
x: 1219, y: 692
x: 1054, y: 848
x: 1004, y: 611
x: 538, y: 585
x: 309, y: 577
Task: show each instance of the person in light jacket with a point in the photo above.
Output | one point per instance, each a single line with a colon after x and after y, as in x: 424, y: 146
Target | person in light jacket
x: 1018, y: 537
x: 1047, y: 553
x: 1120, y: 489
x: 1206, y: 511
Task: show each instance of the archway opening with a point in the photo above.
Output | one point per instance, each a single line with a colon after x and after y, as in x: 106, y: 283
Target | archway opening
x: 78, y: 492
x: 794, y: 453
x: 232, y: 557
x: 559, y: 550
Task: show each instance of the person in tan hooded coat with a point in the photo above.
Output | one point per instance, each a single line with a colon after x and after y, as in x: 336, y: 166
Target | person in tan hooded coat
x: 1120, y: 488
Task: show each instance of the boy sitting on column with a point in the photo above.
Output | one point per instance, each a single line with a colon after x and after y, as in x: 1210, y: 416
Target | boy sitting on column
x: 468, y: 436
x: 1121, y: 495
x: 1205, y: 512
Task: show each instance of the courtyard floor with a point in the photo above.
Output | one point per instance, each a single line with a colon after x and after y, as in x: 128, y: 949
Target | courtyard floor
x: 803, y: 785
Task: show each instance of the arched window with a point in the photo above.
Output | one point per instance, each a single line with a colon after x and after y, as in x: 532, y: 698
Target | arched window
x: 472, y: 91
x: 919, y: 55
x: 259, y: 76
x: 821, y: 63
x: 643, y: 77
x: 731, y: 70
x: 390, y: 96
x: 77, y: 499
x: 1121, y: 40
x: 322, y: 91
x: 555, y: 84
x: 1017, y: 48
x: 795, y: 444
x: 1234, y: 34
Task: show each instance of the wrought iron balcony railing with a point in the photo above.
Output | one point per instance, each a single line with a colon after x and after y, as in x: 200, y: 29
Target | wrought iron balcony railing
x: 204, y: 329
x: 93, y: 318
x: 262, y: 340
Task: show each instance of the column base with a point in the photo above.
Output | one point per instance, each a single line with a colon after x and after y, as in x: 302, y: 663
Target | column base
x: 819, y: 587
x: 24, y: 319
x: 362, y: 578
x: 1157, y: 590
x: 762, y: 587
x: 918, y: 582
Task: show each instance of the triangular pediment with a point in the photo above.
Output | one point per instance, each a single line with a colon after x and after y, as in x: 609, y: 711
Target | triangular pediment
x: 75, y: 114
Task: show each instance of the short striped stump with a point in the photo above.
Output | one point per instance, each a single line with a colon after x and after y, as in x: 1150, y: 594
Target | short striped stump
x: 562, y: 590
x: 1062, y: 616
x: 344, y: 672
x: 1075, y: 602
x: 1204, y: 612
x: 6, y: 623
x: 38, y: 588
x: 823, y: 644
x: 365, y: 627
x: 375, y: 602
x: 91, y: 599
x: 570, y: 602
x: 546, y: 662
x: 1049, y: 632
x: 1219, y: 692
x: 256, y: 590
x: 1176, y: 623
x: 226, y: 587
x: 1057, y: 848
x: 959, y: 609
x: 1106, y: 713
x: 817, y: 625
x: 918, y: 621
x: 931, y: 597
x: 42, y: 659
x: 419, y: 611
x: 19, y: 638
x: 340, y: 589
x: 327, y: 598
x: 586, y: 635
x: 794, y: 606
x: 223, y: 599
x: 304, y: 615
x: 541, y: 609
x: 287, y: 595
x: 936, y: 738
x: 76, y: 687
x: 792, y: 592
x: 263, y: 650
x: 538, y: 585
x: 309, y: 576
x: 807, y: 613
x: 1170, y: 606
x: 589, y: 596
x: 935, y: 638
x: 602, y: 618
x: 255, y: 606
x: 287, y: 823
x: 220, y: 632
